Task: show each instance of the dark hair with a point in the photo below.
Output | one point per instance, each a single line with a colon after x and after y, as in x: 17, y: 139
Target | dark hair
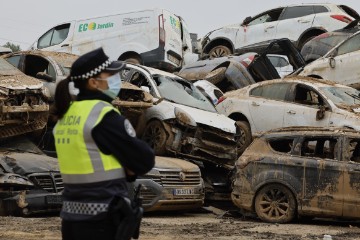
x: 63, y: 98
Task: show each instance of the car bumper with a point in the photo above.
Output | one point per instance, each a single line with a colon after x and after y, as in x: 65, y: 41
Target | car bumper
x: 30, y: 202
x: 165, y: 198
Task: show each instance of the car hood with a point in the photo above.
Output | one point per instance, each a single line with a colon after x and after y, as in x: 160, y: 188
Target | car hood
x: 173, y: 163
x: 211, y: 119
x: 19, y: 82
x: 24, y: 163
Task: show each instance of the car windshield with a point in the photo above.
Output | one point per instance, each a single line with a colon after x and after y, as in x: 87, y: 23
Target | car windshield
x: 180, y: 91
x: 342, y: 95
x: 7, y: 69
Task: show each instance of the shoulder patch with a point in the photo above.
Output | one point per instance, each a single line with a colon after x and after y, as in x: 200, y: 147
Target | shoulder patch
x: 129, y: 128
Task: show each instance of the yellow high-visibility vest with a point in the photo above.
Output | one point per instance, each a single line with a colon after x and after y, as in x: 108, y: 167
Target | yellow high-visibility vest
x: 80, y: 160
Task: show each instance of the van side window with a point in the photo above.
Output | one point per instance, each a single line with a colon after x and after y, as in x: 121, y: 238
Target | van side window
x: 54, y: 36
x: 319, y: 148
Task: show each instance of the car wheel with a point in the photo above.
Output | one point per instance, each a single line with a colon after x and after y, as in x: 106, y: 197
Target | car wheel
x: 275, y: 203
x: 156, y: 136
x: 219, y: 51
x: 133, y: 60
x: 244, y: 138
x: 216, y: 75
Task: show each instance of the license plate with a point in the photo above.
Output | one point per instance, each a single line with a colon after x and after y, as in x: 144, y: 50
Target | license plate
x: 54, y: 199
x: 186, y: 191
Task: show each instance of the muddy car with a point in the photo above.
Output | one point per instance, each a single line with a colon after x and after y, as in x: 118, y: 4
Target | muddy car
x: 184, y: 122
x: 24, y: 102
x: 173, y: 184
x: 49, y: 67
x: 340, y: 64
x: 237, y: 71
x: 296, y: 101
x: 300, y: 172
x: 30, y: 181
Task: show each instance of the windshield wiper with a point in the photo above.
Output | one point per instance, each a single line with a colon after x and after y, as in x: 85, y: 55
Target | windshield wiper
x: 353, y: 95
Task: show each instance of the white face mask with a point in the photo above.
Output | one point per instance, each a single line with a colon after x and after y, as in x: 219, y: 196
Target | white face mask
x: 114, y: 83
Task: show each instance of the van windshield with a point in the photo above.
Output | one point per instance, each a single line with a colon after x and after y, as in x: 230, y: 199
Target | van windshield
x: 180, y: 91
x: 54, y: 36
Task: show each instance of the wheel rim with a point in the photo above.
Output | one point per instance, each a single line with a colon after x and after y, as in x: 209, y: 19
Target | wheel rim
x: 218, y: 52
x: 154, y: 136
x: 274, y: 204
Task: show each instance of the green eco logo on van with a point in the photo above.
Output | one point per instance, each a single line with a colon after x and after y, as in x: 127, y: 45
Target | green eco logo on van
x: 94, y: 26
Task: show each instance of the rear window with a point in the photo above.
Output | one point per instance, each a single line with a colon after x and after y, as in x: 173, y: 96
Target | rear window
x: 299, y: 11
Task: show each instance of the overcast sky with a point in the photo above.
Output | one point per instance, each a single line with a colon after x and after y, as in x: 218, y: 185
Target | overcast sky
x: 23, y: 21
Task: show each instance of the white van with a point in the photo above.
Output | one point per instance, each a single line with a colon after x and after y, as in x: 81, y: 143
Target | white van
x: 155, y: 37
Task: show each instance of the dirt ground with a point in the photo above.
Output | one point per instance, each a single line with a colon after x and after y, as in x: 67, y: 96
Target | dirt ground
x: 206, y: 224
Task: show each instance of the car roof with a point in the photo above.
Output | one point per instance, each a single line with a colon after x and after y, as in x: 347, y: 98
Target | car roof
x: 154, y: 71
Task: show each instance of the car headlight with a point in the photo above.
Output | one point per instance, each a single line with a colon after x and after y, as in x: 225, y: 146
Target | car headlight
x: 184, y: 118
x: 11, y: 178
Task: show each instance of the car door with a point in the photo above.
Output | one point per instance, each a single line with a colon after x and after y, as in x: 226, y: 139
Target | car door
x: 294, y: 21
x: 323, y: 175
x: 351, y: 157
x: 342, y: 63
x: 266, y: 106
x: 259, y: 29
x: 303, y: 108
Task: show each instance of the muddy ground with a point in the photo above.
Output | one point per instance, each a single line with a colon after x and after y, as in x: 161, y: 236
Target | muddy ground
x: 204, y: 224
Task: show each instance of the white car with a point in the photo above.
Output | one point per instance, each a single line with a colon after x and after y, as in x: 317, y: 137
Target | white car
x: 183, y: 121
x: 340, y: 64
x: 299, y: 23
x: 289, y: 102
x: 281, y: 64
x: 212, y: 92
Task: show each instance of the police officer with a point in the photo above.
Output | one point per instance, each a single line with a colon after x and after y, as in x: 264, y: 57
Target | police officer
x: 97, y: 149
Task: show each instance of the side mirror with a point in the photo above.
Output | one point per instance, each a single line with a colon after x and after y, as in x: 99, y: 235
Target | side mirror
x: 332, y: 62
x: 246, y: 20
x: 320, y: 114
x: 44, y: 76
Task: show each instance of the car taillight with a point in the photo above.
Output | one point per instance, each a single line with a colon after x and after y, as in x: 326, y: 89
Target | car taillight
x: 342, y: 18
x: 222, y: 98
x: 161, y: 30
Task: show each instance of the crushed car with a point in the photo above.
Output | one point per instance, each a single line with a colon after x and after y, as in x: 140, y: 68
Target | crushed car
x: 23, y: 102
x: 237, y: 71
x: 255, y: 33
x: 339, y: 64
x: 296, y: 101
x: 48, y: 66
x: 172, y: 185
x: 300, y: 172
x: 30, y: 181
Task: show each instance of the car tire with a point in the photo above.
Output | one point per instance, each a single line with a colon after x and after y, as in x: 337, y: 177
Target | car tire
x: 219, y: 51
x: 275, y: 203
x: 216, y: 75
x: 156, y: 135
x: 133, y: 60
x: 244, y: 138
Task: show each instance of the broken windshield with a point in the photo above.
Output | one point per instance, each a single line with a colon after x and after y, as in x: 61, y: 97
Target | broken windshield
x: 342, y: 95
x: 180, y: 91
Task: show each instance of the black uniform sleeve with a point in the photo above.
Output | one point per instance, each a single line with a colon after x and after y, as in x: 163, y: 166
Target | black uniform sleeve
x: 111, y: 137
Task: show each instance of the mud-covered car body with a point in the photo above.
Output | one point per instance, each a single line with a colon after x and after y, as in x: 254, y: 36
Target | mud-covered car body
x: 298, y: 22
x: 300, y: 171
x: 237, y: 71
x: 183, y: 122
x: 323, y: 43
x: 23, y: 102
x: 49, y: 67
x: 340, y: 64
x: 295, y: 101
x: 173, y: 184
x: 30, y: 181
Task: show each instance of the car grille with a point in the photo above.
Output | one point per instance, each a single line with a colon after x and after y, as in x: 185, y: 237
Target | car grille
x: 51, y: 182
x: 178, y: 178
